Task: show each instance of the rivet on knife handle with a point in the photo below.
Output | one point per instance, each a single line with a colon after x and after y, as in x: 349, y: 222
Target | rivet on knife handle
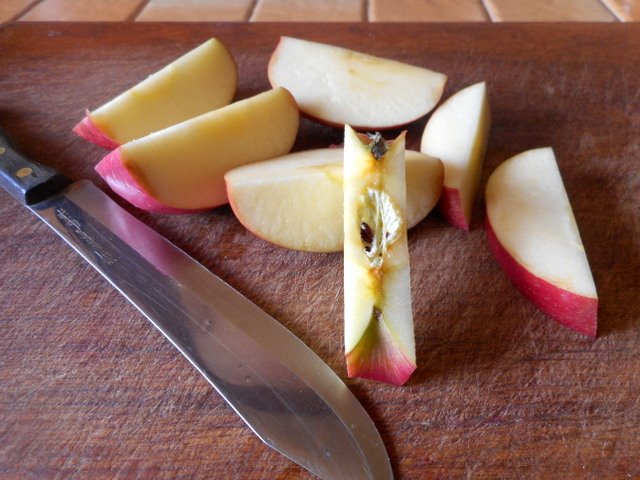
x: 27, y: 181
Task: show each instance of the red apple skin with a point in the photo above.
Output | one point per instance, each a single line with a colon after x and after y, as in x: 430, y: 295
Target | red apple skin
x: 397, y: 374
x: 577, y: 312
x: 90, y: 132
x: 395, y: 370
x: 119, y: 178
x: 450, y: 206
x: 377, y: 357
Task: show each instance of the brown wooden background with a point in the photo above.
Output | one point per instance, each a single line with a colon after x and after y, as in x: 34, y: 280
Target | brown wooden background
x: 88, y: 389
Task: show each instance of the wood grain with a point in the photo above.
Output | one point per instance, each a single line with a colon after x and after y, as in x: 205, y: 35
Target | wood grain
x: 13, y: 8
x: 82, y: 11
x: 305, y: 11
x: 548, y: 11
x: 196, y: 11
x: 432, y: 11
x: 88, y: 389
x: 624, y: 10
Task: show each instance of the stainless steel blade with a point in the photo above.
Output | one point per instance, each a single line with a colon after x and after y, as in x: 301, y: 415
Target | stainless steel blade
x: 286, y: 394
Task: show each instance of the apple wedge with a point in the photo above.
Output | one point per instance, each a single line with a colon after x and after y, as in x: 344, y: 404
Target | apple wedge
x: 200, y: 81
x: 378, y: 333
x: 181, y: 168
x: 457, y: 134
x: 337, y: 86
x: 296, y: 201
x: 534, y: 236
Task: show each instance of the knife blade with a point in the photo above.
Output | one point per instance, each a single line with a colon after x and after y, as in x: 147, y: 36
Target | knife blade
x: 282, y: 390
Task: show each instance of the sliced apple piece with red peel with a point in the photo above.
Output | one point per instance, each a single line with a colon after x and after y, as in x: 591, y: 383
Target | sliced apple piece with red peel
x: 181, y: 169
x: 379, y: 339
x: 534, y: 236
x: 457, y: 134
x: 296, y: 201
x: 200, y: 81
x: 88, y: 130
x: 337, y: 86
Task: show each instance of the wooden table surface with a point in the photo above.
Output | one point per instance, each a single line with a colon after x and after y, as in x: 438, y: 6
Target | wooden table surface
x: 320, y: 10
x: 89, y: 389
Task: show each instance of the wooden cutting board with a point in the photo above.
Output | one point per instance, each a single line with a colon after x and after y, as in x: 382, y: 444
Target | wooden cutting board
x: 89, y: 389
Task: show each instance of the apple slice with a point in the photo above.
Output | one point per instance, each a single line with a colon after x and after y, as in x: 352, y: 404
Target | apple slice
x: 296, y: 201
x: 200, y: 81
x: 338, y: 86
x: 181, y: 168
x: 457, y: 134
x: 379, y: 341
x: 534, y: 236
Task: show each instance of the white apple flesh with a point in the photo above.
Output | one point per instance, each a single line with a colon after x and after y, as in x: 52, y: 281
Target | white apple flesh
x: 181, y: 168
x: 533, y: 234
x: 457, y: 134
x: 378, y: 334
x: 296, y: 201
x: 200, y: 81
x: 337, y: 86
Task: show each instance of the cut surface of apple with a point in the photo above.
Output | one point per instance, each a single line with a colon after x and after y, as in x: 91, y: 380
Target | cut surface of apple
x: 534, y: 236
x: 296, y: 201
x: 457, y: 134
x: 181, y: 168
x: 200, y: 81
x: 338, y: 86
x: 379, y: 339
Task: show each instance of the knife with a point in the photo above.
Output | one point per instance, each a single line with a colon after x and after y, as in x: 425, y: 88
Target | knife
x: 284, y: 392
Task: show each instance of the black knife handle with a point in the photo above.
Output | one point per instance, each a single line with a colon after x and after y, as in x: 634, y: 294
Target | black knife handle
x: 28, y: 181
